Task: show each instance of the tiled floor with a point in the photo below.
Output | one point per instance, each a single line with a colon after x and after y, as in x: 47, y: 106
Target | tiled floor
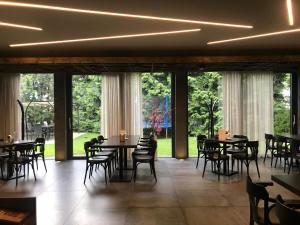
x: 181, y: 196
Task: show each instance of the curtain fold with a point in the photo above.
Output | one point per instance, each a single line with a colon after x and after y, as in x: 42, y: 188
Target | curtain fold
x: 121, y: 104
x: 232, y: 102
x: 111, y: 108
x: 258, y: 106
x: 248, y: 104
x: 10, y: 120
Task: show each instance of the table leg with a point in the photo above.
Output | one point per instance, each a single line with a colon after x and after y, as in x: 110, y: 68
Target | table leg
x: 225, y: 164
x: 125, y: 158
x: 121, y: 163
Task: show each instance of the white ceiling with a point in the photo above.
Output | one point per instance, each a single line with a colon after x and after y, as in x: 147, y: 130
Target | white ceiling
x: 264, y: 15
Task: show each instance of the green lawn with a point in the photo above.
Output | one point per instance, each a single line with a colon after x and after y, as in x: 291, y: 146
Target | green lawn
x: 163, y: 146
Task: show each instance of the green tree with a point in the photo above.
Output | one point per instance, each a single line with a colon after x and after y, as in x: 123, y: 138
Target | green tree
x: 281, y: 95
x: 203, y: 88
x: 86, y: 103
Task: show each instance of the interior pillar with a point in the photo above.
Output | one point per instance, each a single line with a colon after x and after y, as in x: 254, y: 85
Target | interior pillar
x: 61, y: 118
x: 180, y: 120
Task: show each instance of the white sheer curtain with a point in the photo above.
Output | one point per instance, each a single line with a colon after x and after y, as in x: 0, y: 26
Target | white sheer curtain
x: 258, y: 106
x: 111, y: 108
x: 121, y: 104
x: 132, y: 100
x: 232, y: 102
x: 10, y: 121
x: 248, y: 104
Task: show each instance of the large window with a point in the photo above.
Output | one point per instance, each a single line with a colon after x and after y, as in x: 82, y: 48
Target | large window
x: 156, y: 103
x: 37, y: 97
x: 86, y: 92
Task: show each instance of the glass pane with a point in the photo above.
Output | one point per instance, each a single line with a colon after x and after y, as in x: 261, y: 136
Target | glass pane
x: 86, y: 92
x: 156, y: 88
x: 282, y: 107
x: 205, y: 93
x: 37, y: 97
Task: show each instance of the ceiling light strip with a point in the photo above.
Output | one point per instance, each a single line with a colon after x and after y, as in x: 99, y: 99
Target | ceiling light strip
x: 290, y: 11
x: 104, y: 38
x: 67, y: 9
x: 19, y: 26
x: 254, y: 36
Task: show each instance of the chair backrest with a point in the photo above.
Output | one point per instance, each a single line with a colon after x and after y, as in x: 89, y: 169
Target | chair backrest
x: 294, y: 146
x: 286, y: 214
x: 24, y: 149
x: 100, y: 138
x: 253, y: 147
x: 240, y: 136
x: 211, y: 147
x: 153, y: 144
x: 40, y: 142
x: 87, y: 147
x: 256, y: 193
x: 281, y: 143
x: 200, y: 141
x: 269, y: 140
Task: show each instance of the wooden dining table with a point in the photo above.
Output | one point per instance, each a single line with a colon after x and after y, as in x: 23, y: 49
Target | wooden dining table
x: 224, y: 143
x: 114, y: 142
x: 290, y: 182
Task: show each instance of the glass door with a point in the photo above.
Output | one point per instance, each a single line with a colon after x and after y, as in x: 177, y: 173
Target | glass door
x: 86, y: 110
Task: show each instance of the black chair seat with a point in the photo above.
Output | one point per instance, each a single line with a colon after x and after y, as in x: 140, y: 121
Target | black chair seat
x: 143, y: 158
x: 141, y: 152
x: 216, y: 156
x: 19, y: 160
x: 102, y: 153
x: 4, y: 155
x: 96, y: 159
x: 233, y: 151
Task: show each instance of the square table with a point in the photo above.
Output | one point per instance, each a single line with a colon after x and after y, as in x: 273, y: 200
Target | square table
x: 122, y: 146
x: 290, y: 182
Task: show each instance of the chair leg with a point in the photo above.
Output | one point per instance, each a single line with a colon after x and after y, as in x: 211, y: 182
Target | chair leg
x: 265, y: 155
x: 290, y: 166
x: 134, y: 171
x: 17, y: 170
x: 205, y: 162
x: 198, y: 159
x: 105, y: 171
x: 218, y: 165
x: 153, y: 168
x: 86, y: 171
x: 32, y: 166
x: 276, y: 162
x: 257, y: 168
x: 43, y: 157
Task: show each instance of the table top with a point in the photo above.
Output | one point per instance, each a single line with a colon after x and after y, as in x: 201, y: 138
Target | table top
x: 290, y: 182
x: 114, y: 141
x: 229, y: 141
x: 292, y: 136
x: 4, y: 144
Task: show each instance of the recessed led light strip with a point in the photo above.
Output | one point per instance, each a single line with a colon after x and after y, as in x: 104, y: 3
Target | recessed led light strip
x: 67, y: 9
x: 254, y: 36
x: 290, y: 11
x: 104, y: 38
x: 19, y: 26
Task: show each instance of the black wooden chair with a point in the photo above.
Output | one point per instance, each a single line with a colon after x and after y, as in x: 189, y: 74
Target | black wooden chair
x: 4, y: 155
x: 20, y: 157
x: 92, y: 160
x: 39, y: 151
x: 200, y: 145
x: 212, y: 152
x: 257, y: 192
x: 281, y: 150
x: 145, y: 158
x: 111, y: 151
x: 247, y: 155
x: 287, y: 213
x: 269, y: 138
x: 237, y: 148
x: 295, y: 154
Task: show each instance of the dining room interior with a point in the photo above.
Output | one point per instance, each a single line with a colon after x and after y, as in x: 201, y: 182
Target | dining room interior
x: 161, y: 112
